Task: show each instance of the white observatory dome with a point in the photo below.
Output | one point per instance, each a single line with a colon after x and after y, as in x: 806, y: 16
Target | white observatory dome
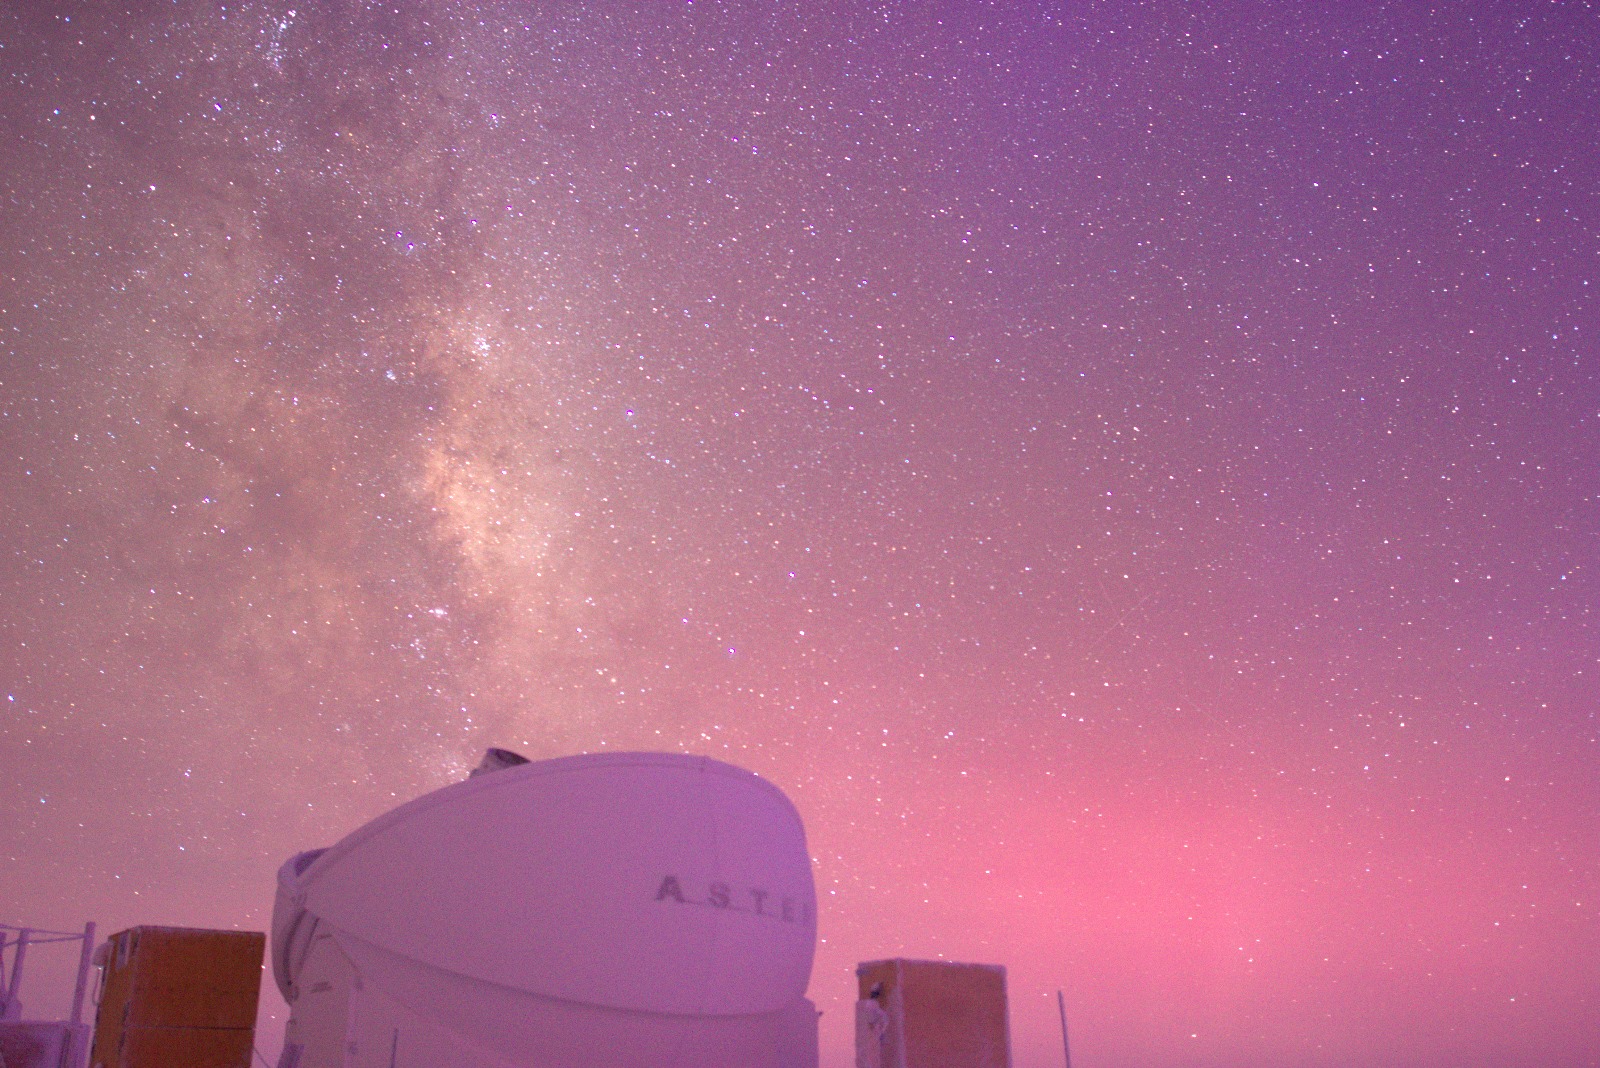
x: 600, y: 911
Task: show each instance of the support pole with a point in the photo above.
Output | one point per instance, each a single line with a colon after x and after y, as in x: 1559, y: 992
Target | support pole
x: 1066, y: 1050
x: 13, y: 1009
x: 83, y: 974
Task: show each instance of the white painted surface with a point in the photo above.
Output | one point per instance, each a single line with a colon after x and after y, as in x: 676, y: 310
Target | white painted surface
x: 616, y: 909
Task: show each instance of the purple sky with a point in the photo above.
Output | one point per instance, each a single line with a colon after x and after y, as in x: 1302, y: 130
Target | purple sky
x: 1129, y: 472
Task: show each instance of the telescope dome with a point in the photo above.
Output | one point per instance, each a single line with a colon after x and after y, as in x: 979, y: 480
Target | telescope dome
x: 634, y: 908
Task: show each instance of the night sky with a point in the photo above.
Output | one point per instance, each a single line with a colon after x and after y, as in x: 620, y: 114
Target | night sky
x: 1130, y: 472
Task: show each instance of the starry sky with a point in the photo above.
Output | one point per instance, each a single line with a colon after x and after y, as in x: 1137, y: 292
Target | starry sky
x: 1128, y: 471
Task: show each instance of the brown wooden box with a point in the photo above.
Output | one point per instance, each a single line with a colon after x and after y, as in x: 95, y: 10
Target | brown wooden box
x: 160, y: 981
x: 185, y: 1047
x: 941, y: 1014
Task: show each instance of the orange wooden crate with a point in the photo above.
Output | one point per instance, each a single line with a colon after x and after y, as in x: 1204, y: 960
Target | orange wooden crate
x: 185, y: 1047
x: 160, y: 981
x: 943, y: 1014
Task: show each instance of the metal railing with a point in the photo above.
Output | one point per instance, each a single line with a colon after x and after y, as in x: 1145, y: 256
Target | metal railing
x: 17, y: 940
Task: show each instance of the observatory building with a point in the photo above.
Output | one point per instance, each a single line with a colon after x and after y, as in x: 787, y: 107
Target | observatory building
x: 630, y: 910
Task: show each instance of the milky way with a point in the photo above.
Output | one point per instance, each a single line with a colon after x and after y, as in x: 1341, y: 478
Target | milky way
x: 1128, y: 472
